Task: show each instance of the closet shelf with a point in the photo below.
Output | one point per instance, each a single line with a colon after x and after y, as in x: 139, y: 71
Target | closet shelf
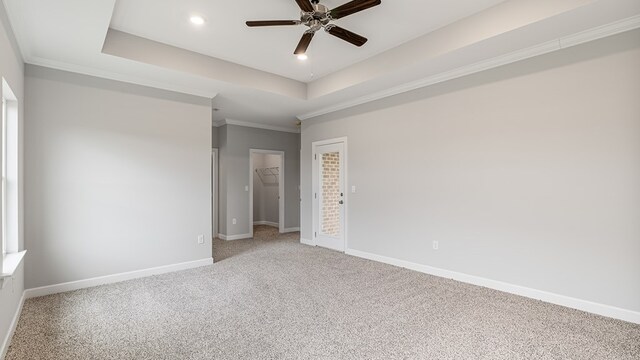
x: 269, y: 175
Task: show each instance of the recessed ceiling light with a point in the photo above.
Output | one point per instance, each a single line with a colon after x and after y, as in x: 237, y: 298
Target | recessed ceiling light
x: 197, y: 20
x: 303, y: 57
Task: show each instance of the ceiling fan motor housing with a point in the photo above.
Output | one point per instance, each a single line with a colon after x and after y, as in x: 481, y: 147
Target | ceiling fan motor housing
x: 317, y: 18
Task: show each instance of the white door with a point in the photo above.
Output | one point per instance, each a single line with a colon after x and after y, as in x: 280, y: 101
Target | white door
x: 329, y: 196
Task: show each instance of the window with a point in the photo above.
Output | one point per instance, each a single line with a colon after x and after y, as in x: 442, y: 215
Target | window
x: 11, y: 256
x: 3, y: 193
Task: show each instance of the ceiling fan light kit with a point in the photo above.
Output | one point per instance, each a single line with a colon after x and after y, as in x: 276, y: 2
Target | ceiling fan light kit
x: 316, y: 16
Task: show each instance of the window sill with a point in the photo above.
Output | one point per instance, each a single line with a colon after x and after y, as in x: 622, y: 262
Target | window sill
x: 10, y: 263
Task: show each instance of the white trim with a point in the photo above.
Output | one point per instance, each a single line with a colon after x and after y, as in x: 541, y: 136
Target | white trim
x: 574, y: 303
x: 439, y: 78
x: 255, y: 125
x: 234, y: 237
x: 104, y: 74
x: 10, y: 263
x: 307, y: 242
x: 267, y: 223
x: 4, y: 347
x: 519, y: 55
x: 600, y: 32
x: 596, y: 33
x: 290, y: 230
x: 330, y: 141
x: 281, y: 179
x: 110, y: 279
x: 215, y: 181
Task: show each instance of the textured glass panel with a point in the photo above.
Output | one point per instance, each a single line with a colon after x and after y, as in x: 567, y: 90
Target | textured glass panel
x: 331, y: 194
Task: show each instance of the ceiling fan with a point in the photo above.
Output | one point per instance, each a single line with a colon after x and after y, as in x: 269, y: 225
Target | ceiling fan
x: 317, y: 16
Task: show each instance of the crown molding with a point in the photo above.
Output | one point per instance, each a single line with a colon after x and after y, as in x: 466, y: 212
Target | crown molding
x: 255, y: 125
x: 541, y: 49
x: 84, y: 70
x: 600, y: 32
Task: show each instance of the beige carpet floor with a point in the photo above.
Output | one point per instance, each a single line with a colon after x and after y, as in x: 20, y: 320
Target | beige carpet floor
x: 273, y: 298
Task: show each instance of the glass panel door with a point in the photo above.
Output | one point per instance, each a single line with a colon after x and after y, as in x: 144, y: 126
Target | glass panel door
x: 330, y: 196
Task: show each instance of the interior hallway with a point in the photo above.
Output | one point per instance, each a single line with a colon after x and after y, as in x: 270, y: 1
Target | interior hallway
x: 261, y: 233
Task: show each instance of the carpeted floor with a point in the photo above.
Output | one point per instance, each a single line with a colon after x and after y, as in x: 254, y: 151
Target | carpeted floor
x: 261, y: 234
x: 277, y: 299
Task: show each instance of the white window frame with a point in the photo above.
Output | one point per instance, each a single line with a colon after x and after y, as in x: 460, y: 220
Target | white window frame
x: 3, y: 194
x: 10, y: 255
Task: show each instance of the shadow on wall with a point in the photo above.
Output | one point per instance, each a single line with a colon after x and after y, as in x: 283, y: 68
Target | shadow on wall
x: 536, y: 64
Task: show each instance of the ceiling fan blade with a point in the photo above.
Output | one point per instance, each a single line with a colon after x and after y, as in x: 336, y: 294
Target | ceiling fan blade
x: 347, y: 35
x: 305, y: 5
x: 304, y: 43
x: 353, y: 7
x: 272, y: 22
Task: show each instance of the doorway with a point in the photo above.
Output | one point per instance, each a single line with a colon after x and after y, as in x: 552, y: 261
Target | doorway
x: 266, y: 189
x: 329, y: 183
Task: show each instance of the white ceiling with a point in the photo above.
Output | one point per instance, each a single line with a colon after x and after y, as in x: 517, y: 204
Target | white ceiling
x: 412, y: 43
x: 226, y: 36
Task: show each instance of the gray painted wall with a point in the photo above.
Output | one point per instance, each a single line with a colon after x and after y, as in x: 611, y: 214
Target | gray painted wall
x: 118, y: 177
x: 214, y: 137
x: 527, y: 174
x: 12, y: 70
x: 235, y: 143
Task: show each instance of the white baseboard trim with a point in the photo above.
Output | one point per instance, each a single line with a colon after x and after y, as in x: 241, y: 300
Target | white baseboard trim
x: 234, y: 237
x: 579, y: 304
x: 309, y: 242
x: 289, y: 230
x: 12, y: 329
x: 110, y: 279
x: 267, y: 223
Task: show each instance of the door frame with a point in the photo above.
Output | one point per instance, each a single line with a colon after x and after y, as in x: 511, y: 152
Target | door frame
x: 315, y: 184
x: 280, y: 187
x: 214, y: 191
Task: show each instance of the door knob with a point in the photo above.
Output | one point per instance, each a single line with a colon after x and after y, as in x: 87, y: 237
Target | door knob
x: 341, y: 202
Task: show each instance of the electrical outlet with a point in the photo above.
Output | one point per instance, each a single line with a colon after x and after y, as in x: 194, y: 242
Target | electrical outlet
x: 435, y: 245
x: 353, y: 188
x: 200, y: 239
x: 246, y: 188
x: 234, y: 221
